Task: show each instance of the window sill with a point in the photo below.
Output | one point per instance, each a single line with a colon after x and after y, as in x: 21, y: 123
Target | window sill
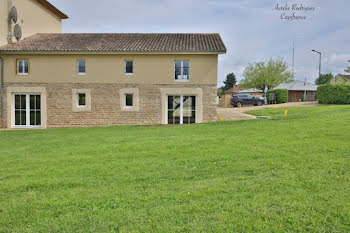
x: 81, y: 106
x: 128, y: 74
x: 181, y: 81
x: 26, y: 127
x: 82, y: 74
x: 129, y: 109
x: 24, y: 74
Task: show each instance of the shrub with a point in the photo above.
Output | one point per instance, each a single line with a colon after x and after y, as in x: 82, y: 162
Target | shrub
x: 281, y: 95
x: 337, y: 93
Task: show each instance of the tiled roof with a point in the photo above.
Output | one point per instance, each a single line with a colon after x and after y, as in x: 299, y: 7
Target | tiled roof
x: 235, y: 89
x: 119, y: 42
x: 297, y: 85
x: 252, y: 90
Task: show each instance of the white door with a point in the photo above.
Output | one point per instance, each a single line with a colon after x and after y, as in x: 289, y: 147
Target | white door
x: 27, y: 110
x: 181, y: 109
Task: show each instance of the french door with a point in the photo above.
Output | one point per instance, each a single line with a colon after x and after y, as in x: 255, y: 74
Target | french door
x: 181, y: 109
x: 27, y: 110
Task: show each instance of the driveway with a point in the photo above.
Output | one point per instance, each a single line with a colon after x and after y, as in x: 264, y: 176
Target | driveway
x: 231, y: 114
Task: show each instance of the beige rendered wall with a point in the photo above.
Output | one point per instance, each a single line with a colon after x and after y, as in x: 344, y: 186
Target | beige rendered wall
x: 3, y: 21
x: 225, y: 100
x: 32, y: 17
x: 148, y: 69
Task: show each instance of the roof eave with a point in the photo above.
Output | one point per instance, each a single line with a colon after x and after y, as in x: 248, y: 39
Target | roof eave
x: 7, y: 52
x: 53, y: 9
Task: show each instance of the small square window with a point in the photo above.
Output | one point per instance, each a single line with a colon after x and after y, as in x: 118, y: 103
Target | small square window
x: 22, y: 67
x: 81, y: 100
x: 129, y: 67
x: 129, y: 100
x: 81, y: 66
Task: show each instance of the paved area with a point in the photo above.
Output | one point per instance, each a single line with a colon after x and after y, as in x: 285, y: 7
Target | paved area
x: 231, y: 114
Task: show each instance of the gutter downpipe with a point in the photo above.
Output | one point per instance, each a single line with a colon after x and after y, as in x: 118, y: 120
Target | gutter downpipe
x: 2, y: 93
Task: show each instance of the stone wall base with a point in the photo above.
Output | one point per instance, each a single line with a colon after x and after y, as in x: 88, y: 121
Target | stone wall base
x: 106, y: 107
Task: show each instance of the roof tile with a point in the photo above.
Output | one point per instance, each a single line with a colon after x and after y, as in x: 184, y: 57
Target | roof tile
x: 119, y: 42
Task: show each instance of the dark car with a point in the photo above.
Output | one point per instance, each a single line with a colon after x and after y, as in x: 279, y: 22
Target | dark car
x: 243, y: 99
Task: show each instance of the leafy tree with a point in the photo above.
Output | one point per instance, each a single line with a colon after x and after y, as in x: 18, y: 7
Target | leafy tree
x: 324, y: 79
x: 230, y: 81
x: 348, y: 68
x: 220, y: 90
x: 268, y: 75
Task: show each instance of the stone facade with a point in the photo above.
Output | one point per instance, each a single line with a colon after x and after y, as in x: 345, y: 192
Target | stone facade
x: 106, y: 106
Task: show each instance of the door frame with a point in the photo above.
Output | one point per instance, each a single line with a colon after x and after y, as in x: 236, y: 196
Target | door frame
x: 181, y: 108
x: 165, y: 92
x: 25, y: 90
x: 27, y: 126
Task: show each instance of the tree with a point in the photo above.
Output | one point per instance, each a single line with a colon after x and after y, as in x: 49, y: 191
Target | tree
x: 347, y: 70
x: 230, y: 81
x: 220, y: 91
x: 324, y: 79
x: 268, y: 75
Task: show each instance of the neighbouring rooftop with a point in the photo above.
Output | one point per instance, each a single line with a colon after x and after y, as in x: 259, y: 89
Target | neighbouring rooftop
x: 235, y: 89
x: 297, y: 85
x: 119, y: 43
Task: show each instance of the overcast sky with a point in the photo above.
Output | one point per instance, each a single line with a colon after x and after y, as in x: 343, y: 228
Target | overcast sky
x: 251, y: 29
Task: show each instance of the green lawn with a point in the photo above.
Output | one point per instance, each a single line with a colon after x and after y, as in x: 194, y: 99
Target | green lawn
x: 286, y: 174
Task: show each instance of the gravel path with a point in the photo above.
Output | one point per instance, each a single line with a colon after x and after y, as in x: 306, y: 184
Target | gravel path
x: 231, y: 114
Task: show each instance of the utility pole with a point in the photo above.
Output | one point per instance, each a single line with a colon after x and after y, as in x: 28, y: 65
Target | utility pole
x: 305, y: 90
x: 319, y: 68
x: 293, y: 61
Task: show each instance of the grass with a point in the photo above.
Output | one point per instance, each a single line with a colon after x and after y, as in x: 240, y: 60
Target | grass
x: 286, y: 174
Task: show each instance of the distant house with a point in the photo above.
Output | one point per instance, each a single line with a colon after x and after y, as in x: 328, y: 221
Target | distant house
x: 341, y: 78
x: 254, y: 92
x: 226, y: 96
x: 296, y: 91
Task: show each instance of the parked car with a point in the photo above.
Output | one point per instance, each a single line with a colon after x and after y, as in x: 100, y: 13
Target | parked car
x: 244, y: 99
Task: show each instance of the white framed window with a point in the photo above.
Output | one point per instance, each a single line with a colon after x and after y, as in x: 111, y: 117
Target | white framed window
x: 182, y: 71
x: 181, y: 109
x: 81, y: 67
x: 81, y: 100
x: 129, y: 67
x: 27, y: 110
x: 129, y: 100
x: 22, y: 67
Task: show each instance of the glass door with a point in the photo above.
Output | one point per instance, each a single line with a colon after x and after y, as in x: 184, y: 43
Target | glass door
x: 35, y: 110
x: 27, y: 110
x: 189, y: 109
x: 174, y: 109
x: 181, y: 109
x: 20, y: 110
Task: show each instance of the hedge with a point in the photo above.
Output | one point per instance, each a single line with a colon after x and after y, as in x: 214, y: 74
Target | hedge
x: 336, y: 93
x: 281, y: 95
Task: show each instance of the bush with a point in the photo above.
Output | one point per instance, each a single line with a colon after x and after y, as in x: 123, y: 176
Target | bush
x: 281, y: 95
x: 337, y: 93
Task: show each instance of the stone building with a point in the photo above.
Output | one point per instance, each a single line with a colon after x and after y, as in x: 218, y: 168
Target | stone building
x: 95, y: 79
